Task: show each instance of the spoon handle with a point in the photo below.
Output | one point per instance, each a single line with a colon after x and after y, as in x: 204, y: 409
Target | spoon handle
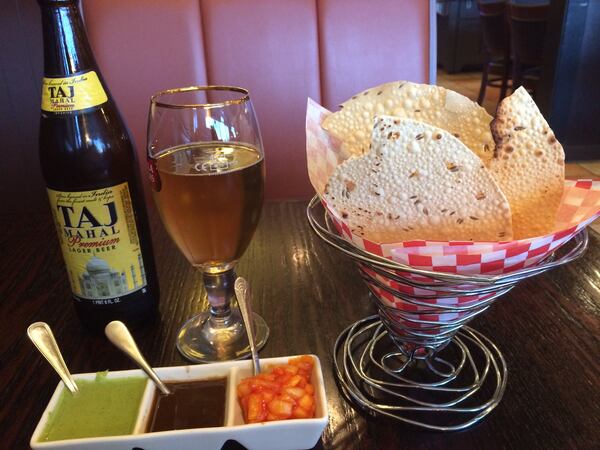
x: 119, y: 335
x: 42, y: 337
x: 243, y: 297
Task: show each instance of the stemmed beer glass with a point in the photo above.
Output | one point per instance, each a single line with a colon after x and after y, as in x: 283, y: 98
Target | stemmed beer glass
x: 207, y: 171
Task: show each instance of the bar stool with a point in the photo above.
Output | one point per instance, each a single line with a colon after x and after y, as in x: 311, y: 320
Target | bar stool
x: 527, y: 30
x: 496, y: 46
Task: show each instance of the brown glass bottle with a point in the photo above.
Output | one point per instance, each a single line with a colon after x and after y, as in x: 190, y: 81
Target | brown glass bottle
x: 91, y: 172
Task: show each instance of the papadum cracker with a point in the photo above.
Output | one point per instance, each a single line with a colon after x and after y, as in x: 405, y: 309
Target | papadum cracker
x: 418, y: 182
x: 434, y: 105
x: 528, y: 165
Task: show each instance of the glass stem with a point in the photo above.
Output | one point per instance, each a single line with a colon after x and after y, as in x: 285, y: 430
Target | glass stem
x: 220, y: 291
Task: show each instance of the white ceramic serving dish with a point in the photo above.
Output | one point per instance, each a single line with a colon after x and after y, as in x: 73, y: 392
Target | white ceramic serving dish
x: 279, y: 435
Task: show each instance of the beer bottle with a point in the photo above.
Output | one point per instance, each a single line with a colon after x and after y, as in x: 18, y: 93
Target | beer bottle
x: 92, y: 177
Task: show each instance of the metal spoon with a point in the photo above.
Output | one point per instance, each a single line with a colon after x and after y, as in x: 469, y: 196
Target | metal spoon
x: 243, y: 297
x: 42, y: 337
x: 119, y: 335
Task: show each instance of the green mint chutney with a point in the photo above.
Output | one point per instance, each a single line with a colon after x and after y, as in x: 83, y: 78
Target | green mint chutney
x: 103, y: 407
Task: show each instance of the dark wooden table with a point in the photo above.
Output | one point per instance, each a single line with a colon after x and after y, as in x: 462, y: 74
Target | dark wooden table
x: 548, y: 329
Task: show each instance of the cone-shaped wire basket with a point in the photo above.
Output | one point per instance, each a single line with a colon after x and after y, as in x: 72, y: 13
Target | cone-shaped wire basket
x: 416, y: 361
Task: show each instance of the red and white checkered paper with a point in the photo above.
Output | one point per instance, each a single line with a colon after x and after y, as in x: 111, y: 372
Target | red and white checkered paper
x: 579, y: 207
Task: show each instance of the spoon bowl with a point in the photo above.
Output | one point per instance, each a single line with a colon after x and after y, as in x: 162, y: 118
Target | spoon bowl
x: 119, y: 335
x: 41, y: 335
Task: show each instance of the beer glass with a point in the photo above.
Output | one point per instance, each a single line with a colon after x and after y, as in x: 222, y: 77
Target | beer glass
x: 207, y: 171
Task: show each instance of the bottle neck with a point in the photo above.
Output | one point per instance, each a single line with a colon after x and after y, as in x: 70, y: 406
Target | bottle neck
x: 66, y: 47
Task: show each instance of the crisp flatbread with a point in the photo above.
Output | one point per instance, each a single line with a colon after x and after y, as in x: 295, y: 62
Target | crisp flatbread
x: 418, y: 182
x: 434, y: 105
x: 528, y: 164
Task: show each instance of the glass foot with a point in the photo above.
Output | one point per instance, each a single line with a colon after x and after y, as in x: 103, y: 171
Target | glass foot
x: 202, y: 340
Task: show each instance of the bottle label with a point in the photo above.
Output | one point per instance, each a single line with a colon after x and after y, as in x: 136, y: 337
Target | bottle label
x: 72, y: 93
x: 99, y: 241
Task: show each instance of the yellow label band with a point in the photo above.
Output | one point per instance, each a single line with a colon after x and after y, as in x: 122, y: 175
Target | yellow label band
x: 72, y: 93
x: 99, y: 241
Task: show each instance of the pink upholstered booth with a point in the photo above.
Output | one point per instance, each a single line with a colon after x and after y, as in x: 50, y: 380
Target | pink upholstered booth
x: 283, y: 51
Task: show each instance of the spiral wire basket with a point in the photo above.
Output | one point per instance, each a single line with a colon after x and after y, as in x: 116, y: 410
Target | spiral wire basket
x: 420, y: 364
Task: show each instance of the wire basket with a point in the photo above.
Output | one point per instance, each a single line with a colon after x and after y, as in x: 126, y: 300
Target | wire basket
x: 416, y: 361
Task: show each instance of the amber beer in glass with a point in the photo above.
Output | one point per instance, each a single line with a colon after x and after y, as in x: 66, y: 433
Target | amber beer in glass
x: 210, y: 200
x: 207, y: 172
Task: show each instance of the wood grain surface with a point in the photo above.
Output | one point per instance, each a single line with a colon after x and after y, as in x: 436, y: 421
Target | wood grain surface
x: 548, y: 329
